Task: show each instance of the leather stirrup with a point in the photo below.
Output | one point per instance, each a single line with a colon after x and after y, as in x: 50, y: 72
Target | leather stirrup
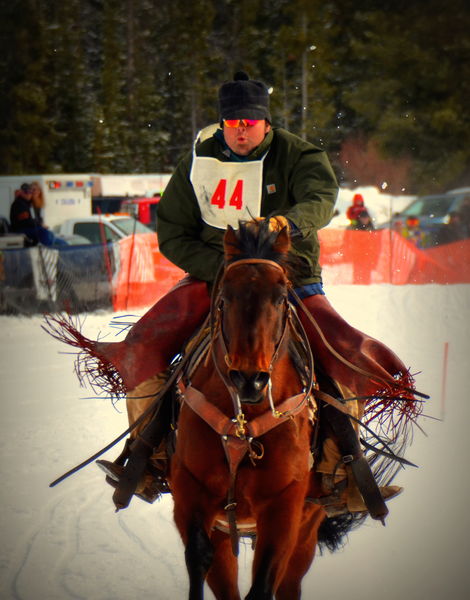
x: 352, y: 455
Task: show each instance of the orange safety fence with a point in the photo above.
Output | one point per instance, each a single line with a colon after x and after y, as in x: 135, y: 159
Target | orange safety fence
x: 346, y: 256
x: 384, y: 256
x: 144, y: 274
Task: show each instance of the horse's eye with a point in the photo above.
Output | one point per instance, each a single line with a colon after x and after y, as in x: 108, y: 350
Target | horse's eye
x: 278, y: 299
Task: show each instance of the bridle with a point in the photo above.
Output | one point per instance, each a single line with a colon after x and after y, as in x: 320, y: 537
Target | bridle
x: 239, y: 436
x: 218, y: 338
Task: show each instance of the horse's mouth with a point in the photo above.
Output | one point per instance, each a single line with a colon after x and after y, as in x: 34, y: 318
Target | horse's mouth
x: 251, y: 399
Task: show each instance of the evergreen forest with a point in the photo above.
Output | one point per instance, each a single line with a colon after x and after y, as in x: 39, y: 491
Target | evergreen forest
x: 123, y: 86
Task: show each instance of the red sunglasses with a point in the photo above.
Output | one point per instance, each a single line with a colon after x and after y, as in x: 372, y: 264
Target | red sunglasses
x: 242, y: 122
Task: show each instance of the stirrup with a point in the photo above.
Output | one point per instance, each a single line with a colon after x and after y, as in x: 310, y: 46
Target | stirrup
x: 335, y: 506
x: 155, y: 483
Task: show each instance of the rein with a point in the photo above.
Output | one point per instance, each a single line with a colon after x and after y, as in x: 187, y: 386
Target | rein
x: 217, y: 335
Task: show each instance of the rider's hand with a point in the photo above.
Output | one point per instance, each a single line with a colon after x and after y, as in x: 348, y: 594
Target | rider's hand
x: 278, y: 222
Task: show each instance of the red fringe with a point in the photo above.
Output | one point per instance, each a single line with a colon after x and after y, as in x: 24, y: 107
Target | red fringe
x: 90, y: 367
x: 392, y: 411
x: 394, y: 408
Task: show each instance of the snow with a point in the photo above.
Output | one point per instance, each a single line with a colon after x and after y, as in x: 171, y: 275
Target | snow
x: 67, y: 543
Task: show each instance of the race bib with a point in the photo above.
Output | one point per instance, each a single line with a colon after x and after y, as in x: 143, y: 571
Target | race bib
x: 227, y: 191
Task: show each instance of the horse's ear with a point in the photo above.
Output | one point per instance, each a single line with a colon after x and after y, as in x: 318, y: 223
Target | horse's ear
x: 231, y: 248
x: 282, y: 243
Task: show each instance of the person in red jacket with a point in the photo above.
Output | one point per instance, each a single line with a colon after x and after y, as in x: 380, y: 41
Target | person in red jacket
x: 356, y: 208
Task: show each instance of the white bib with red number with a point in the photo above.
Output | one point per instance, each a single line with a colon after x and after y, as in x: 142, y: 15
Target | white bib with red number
x: 227, y: 191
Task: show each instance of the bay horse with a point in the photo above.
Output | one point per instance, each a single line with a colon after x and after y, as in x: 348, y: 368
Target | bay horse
x: 242, y: 462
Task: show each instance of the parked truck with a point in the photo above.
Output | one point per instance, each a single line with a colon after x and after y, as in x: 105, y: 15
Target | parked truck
x: 99, y: 229
x: 70, y: 196
x: 137, y: 195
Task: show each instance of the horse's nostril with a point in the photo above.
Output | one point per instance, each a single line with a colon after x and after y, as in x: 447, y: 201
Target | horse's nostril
x: 244, y: 381
x: 261, y: 380
x: 237, y: 378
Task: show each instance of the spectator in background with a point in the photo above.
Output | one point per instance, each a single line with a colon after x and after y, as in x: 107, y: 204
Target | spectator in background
x: 363, y: 222
x: 21, y: 217
x: 38, y: 202
x: 23, y: 220
x: 356, y: 208
x: 413, y: 232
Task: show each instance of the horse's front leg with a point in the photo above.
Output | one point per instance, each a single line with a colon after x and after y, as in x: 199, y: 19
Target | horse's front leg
x: 193, y: 515
x: 302, y: 556
x: 277, y: 526
x: 223, y: 573
x: 198, y: 554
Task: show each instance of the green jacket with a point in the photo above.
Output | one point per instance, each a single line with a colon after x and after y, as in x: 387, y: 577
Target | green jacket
x: 298, y: 182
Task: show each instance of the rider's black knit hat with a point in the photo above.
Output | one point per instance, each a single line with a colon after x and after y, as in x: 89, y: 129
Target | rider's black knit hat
x: 244, y: 98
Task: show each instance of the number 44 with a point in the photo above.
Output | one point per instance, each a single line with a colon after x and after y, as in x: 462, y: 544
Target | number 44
x: 219, y: 196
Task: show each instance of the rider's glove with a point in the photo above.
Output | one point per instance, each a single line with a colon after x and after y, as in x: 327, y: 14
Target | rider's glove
x: 278, y: 222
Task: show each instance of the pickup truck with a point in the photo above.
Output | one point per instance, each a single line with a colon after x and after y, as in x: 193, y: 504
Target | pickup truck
x: 97, y: 229
x: 79, y: 278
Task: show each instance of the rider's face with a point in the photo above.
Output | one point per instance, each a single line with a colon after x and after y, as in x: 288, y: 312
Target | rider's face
x: 245, y: 138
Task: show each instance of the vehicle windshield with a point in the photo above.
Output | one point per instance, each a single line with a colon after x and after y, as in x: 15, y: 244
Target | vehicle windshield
x: 129, y: 226
x: 431, y: 206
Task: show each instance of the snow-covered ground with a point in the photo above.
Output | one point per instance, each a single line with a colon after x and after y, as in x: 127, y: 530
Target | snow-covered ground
x: 67, y: 543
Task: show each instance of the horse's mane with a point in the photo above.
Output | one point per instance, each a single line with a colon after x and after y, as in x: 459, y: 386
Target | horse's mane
x: 254, y: 239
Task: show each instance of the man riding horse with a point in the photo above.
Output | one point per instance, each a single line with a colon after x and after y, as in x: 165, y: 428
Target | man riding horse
x: 248, y: 169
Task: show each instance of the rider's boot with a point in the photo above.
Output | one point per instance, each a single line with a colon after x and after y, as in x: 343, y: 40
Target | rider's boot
x: 340, y: 495
x: 152, y: 483
x: 336, y: 486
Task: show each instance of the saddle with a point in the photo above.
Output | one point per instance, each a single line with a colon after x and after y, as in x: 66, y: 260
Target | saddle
x: 141, y: 469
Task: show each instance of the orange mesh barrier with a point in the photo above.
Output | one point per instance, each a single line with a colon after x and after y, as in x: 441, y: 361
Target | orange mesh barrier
x: 454, y: 258
x: 144, y: 274
x: 347, y: 257
x: 364, y: 257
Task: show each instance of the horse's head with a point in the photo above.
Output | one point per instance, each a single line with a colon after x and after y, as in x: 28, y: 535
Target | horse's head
x: 254, y: 305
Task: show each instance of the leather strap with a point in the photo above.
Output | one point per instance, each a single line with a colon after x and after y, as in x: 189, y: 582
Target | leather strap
x: 254, y: 261
x: 235, y: 448
x: 223, y: 425
x: 353, y: 458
